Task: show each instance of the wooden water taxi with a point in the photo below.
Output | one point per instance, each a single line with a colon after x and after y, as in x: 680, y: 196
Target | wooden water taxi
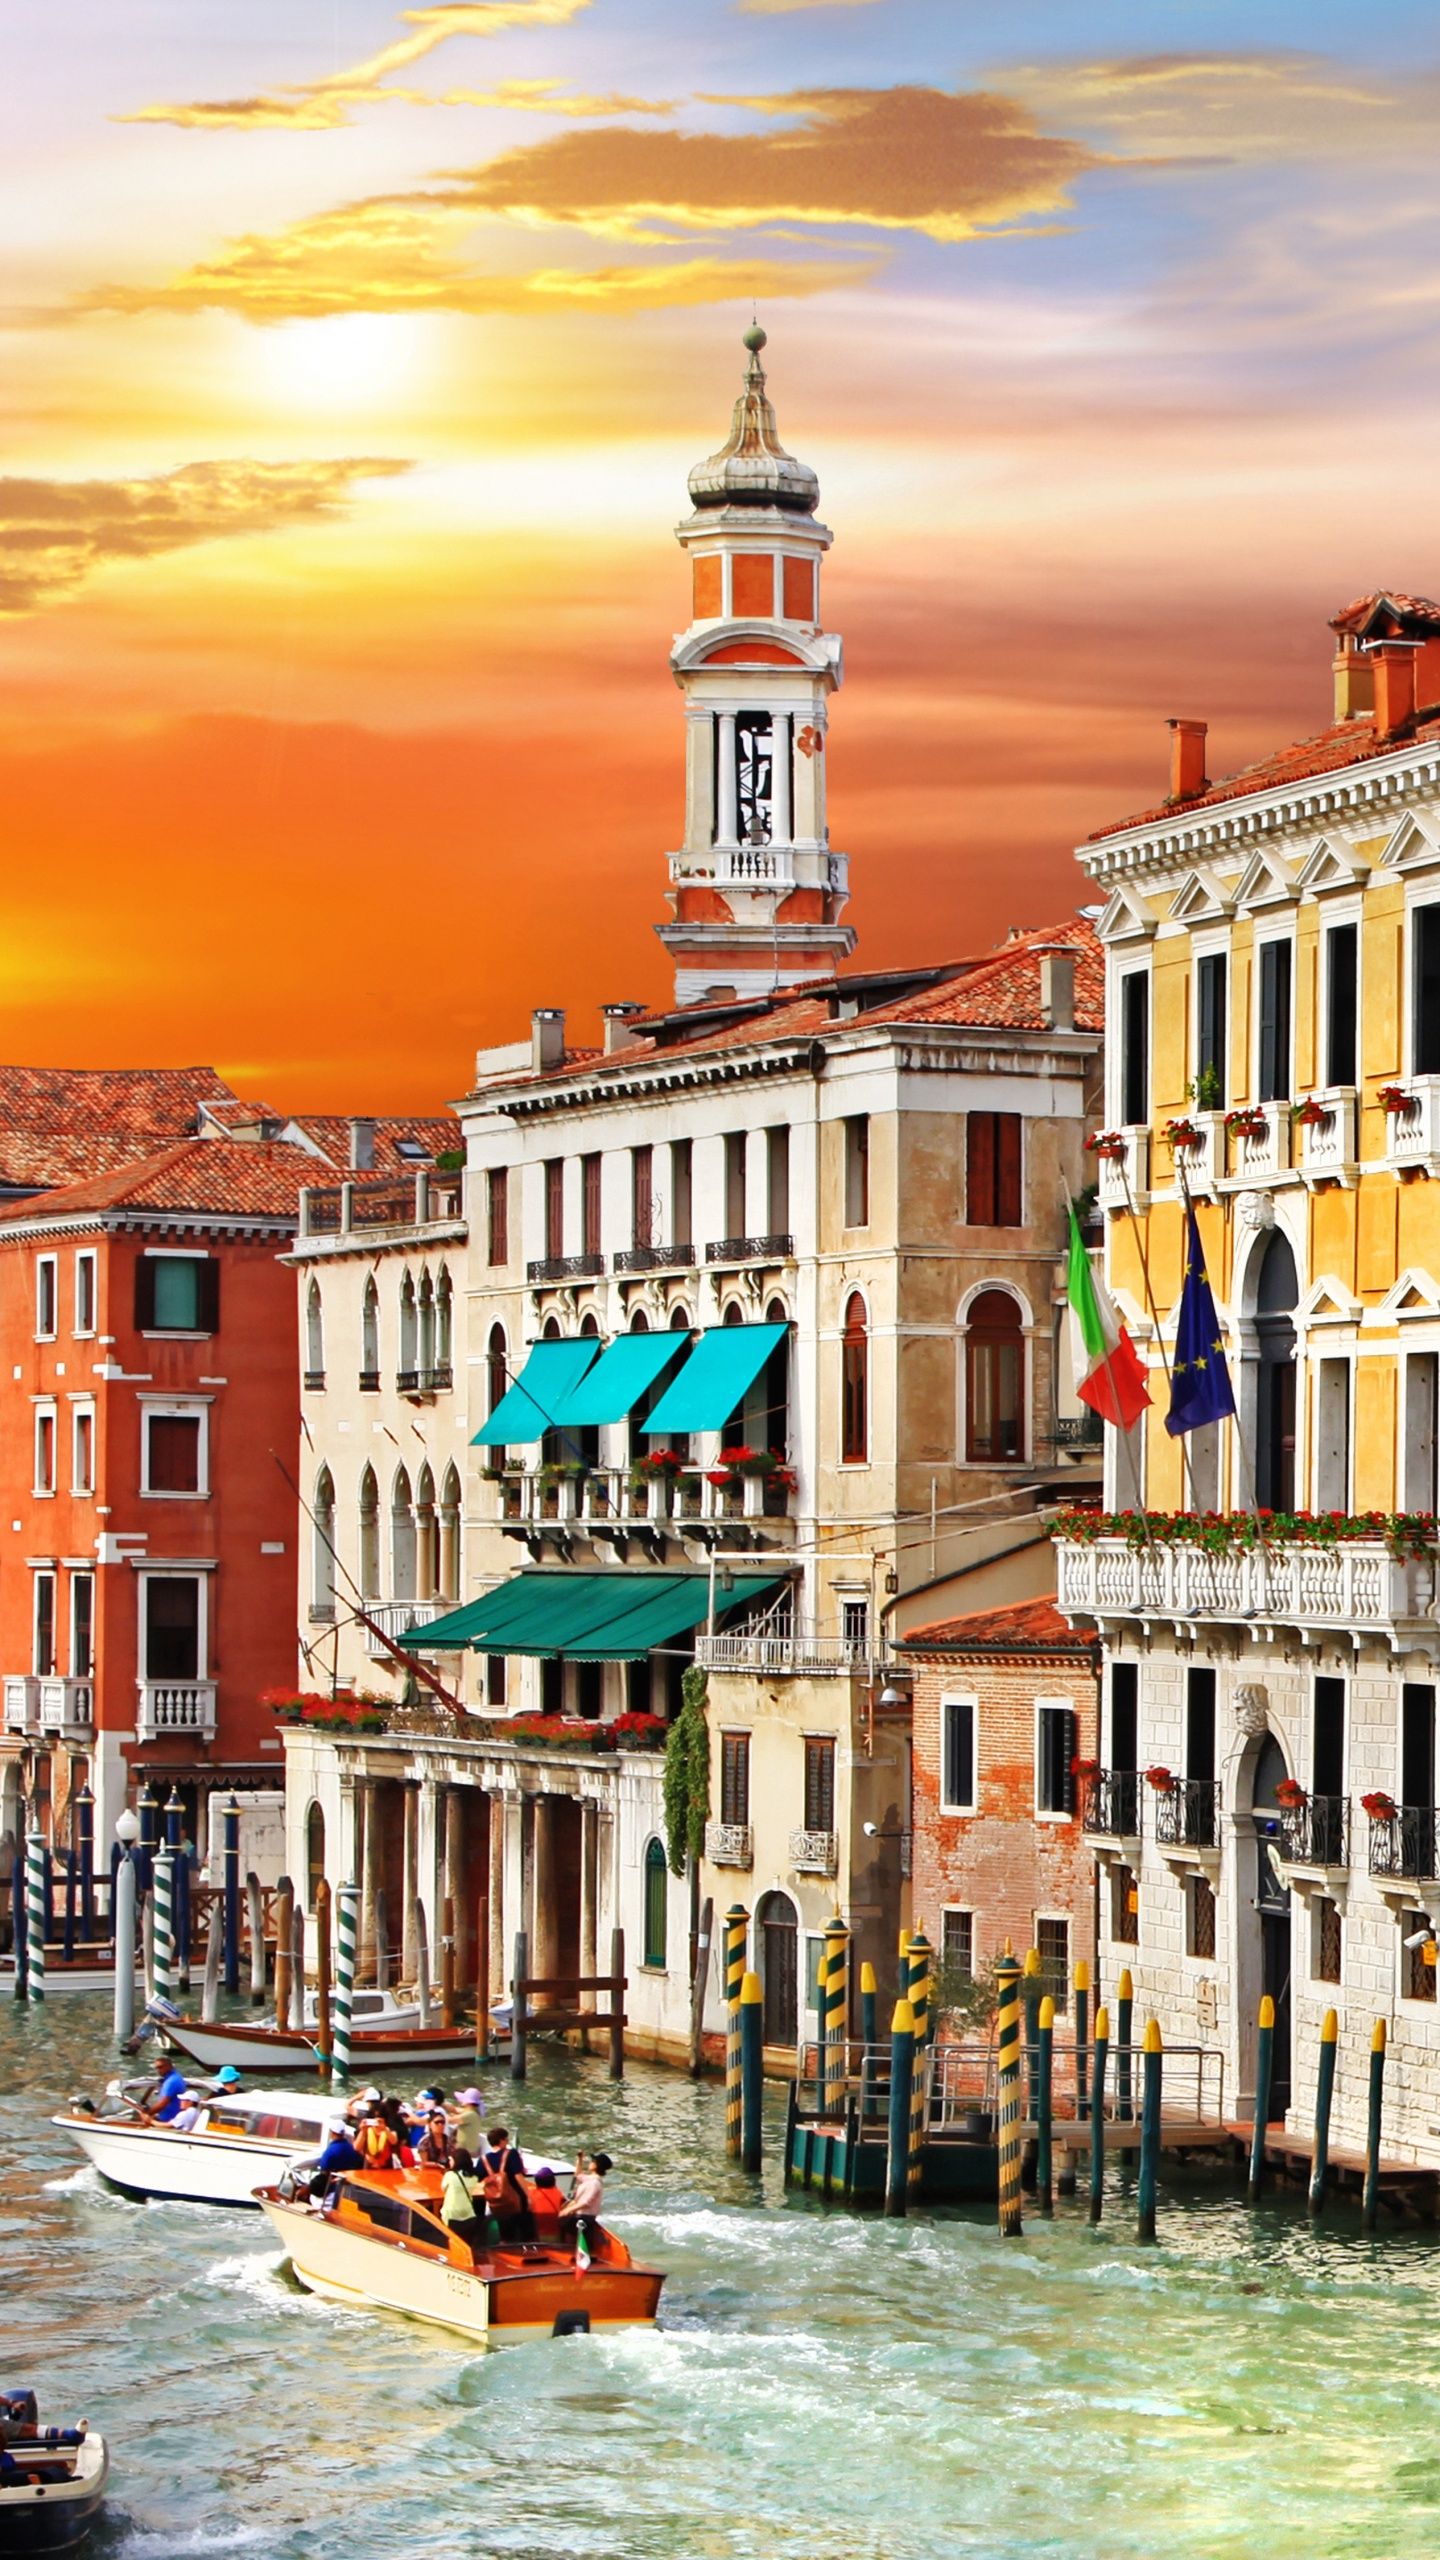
x: 52, y: 2481
x: 378, y: 2238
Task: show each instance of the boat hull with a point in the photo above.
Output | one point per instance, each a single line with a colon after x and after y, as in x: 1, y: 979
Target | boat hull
x: 196, y: 2168
x: 271, y: 2049
x: 60, y: 1977
x: 335, y: 2259
x: 58, y: 2517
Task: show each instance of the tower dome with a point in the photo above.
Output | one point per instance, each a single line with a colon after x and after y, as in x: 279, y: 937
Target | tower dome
x: 752, y: 467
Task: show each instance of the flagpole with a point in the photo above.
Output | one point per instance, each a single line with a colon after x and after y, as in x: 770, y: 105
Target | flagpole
x: 1187, y: 1473
x: 1252, y: 1503
x: 1124, y: 1436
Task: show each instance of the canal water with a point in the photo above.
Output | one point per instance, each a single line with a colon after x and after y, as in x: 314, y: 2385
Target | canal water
x: 822, y: 2386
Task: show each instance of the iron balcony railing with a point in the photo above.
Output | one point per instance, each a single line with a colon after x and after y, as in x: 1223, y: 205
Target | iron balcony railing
x: 730, y: 1844
x: 1402, y: 1843
x: 314, y: 1381
x: 1316, y: 1834
x: 1079, y: 1431
x: 1112, y: 1805
x: 369, y: 1382
x: 776, y: 1248
x: 654, y: 1257
x: 1187, y: 1814
x: 567, y: 1266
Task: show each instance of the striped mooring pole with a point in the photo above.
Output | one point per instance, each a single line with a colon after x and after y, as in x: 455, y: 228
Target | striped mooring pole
x: 230, y: 1871
x: 869, y: 1989
x: 835, y: 1997
x: 1082, y: 2036
x: 179, y: 1887
x: 1152, y: 2065
x: 1100, y: 2051
x: 921, y: 1958
x: 148, y: 1808
x: 752, y: 2072
x: 1031, y: 1989
x: 1372, y: 2129
x: 35, y: 1914
x: 1124, y: 2031
x: 1044, y: 2108
x: 85, y: 1844
x: 322, y: 1976
x: 737, y: 1922
x: 902, y: 2073
x: 1324, y: 2093
x: 1007, y: 1984
x: 347, y: 1934
x: 1264, y: 2068
x: 164, y: 1940
x: 902, y: 1979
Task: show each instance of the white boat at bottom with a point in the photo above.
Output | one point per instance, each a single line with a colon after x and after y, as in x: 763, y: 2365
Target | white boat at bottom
x: 87, y: 1975
x: 239, y: 2144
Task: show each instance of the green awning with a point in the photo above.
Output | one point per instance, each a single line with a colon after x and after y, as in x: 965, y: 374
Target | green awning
x: 725, y: 1361
x: 619, y: 1378
x: 528, y: 1408
x: 589, y: 1617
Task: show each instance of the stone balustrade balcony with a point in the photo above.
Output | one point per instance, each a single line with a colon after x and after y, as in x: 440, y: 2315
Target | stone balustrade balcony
x: 1355, y: 1587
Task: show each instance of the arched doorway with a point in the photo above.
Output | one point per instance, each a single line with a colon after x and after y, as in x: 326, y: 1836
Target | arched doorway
x: 1272, y: 1904
x: 779, y: 1956
x: 1276, y: 1294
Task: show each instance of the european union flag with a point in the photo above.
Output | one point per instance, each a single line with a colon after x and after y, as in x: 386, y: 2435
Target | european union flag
x: 1200, y: 1389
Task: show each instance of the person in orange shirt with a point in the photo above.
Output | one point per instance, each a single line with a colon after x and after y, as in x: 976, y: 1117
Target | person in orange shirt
x: 545, y: 2205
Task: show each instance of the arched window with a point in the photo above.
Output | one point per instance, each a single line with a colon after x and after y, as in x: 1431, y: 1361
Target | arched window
x: 1277, y: 1289
x: 369, y: 1536
x: 776, y: 1386
x: 450, y: 1536
x: 402, y: 1539
x: 425, y: 1361
x: 994, y: 1372
x: 657, y: 1901
x: 370, y: 1338
x: 314, y: 1854
x: 855, y: 1384
x: 444, y: 1327
x: 778, y: 1941
x: 496, y: 1367
x: 322, y: 1580
x: 409, y: 1360
x: 427, y: 1537
x: 314, y: 1337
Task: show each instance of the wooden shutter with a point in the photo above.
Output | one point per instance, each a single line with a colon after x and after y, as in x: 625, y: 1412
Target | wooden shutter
x: 980, y: 1169
x: 735, y: 1777
x: 1009, y: 1204
x: 144, y: 1293
x: 207, y: 1295
x: 959, y: 1751
x: 819, y: 1783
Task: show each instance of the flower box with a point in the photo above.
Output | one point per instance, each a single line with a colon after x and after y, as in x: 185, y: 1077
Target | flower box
x: 1394, y: 1099
x: 1162, y: 1780
x: 1111, y: 1144
x: 1404, y: 1533
x: 1311, y: 1114
x: 1183, y: 1133
x: 1379, y: 1806
x: 1291, y: 1796
x: 1246, y: 1124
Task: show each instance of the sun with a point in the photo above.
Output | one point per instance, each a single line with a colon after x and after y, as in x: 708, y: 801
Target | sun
x: 359, y: 360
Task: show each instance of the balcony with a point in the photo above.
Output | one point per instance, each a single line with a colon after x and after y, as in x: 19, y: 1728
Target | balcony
x: 1317, y: 1833
x: 566, y: 1266
x: 814, y: 1853
x: 1402, y: 1843
x: 654, y: 1257
x: 314, y: 1382
x: 1187, y: 1814
x: 730, y: 1844
x: 1124, y: 1179
x: 67, y: 1706
x: 1112, y: 1805
x: 422, y: 1199
x: 778, y: 1655
x: 1259, y: 1147
x: 1327, y: 1146
x: 755, y: 866
x: 175, y: 1706
x: 1083, y: 1432
x: 608, y: 1506
x: 1355, y: 1586
x: 397, y: 1617
x: 776, y: 1248
x: 1201, y: 1157
x: 1413, y: 1132
x: 22, y: 1704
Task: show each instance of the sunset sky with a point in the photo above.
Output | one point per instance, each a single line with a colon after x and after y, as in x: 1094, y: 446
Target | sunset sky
x: 354, y: 361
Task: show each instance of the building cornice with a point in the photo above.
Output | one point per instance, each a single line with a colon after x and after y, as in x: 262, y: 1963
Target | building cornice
x: 1378, y: 787
x: 189, y: 1222
x: 368, y: 1243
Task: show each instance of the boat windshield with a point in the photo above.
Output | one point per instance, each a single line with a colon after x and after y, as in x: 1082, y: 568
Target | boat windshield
x: 266, y: 2126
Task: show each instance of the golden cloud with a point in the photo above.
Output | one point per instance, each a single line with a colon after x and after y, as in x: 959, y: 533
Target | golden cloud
x: 55, y: 533
x: 544, y: 97
x: 953, y: 166
x: 315, y: 105
x: 1257, y: 106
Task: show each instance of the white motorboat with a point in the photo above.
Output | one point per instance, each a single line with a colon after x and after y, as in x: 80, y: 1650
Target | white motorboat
x: 240, y: 2143
x: 384, y: 2036
x: 86, y: 1973
x: 52, y: 2481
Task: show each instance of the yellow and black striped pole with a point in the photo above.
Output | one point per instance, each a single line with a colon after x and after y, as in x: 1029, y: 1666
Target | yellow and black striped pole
x: 1082, y: 2035
x: 737, y: 1922
x: 920, y: 1958
x: 1044, y: 2105
x: 903, y: 1974
x: 1372, y: 2131
x: 1151, y: 2067
x: 1032, y: 1988
x: 1324, y: 2092
x: 1100, y: 2052
x: 1124, y: 2029
x: 834, y: 2015
x: 869, y: 1991
x: 1007, y: 1983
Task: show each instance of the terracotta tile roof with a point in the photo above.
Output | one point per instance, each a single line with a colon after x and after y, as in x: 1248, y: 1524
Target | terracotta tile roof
x: 1410, y: 613
x: 1027, y: 1626
x: 438, y: 1135
x: 223, y: 1177
x: 1347, y: 742
x: 57, y: 1123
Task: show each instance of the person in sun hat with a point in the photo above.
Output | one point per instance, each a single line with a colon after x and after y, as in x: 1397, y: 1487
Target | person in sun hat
x: 467, y: 2125
x: 226, y: 2080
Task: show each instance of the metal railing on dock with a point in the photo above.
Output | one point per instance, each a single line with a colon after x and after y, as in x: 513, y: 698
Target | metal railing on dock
x: 850, y: 2083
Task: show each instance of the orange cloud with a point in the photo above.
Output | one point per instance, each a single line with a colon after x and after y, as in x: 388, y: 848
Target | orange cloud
x: 318, y: 105
x: 55, y: 533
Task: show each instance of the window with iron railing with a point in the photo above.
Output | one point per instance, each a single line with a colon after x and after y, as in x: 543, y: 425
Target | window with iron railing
x: 497, y: 1214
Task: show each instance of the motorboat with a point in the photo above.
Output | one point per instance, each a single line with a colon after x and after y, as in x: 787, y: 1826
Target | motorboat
x: 87, y: 1971
x: 52, y: 2480
x: 384, y: 2036
x: 377, y: 2237
x: 240, y: 2142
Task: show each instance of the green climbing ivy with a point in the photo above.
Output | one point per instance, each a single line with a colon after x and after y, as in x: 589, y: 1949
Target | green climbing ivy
x: 687, y: 1774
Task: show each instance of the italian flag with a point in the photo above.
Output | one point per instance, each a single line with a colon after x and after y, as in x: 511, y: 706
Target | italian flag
x: 1109, y: 1376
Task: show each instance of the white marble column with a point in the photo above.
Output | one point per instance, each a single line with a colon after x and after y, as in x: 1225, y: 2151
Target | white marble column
x: 726, y: 800
x: 780, y: 777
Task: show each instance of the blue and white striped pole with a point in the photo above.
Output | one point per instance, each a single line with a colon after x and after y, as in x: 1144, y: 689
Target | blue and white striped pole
x: 164, y: 1958
x: 35, y: 1914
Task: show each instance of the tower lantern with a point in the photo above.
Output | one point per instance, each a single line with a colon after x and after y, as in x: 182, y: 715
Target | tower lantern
x: 756, y: 891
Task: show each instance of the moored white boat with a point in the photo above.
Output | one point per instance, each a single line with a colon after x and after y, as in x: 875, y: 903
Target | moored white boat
x: 239, y: 2144
x: 86, y: 1974
x: 52, y: 2481
x: 373, y: 2051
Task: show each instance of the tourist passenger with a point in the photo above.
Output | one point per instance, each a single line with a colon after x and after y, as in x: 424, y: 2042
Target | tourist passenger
x: 432, y: 2151
x: 375, y: 2141
x: 587, y: 2195
x: 467, y: 2126
x: 545, y: 2205
x: 339, y: 2153
x: 395, y: 2116
x: 190, y: 2114
x: 172, y: 2096
x: 458, y: 2201
x: 504, y: 2193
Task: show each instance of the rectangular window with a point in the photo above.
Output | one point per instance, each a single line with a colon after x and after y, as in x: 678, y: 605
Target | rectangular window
x: 82, y: 1625
x: 495, y: 1683
x: 1124, y: 1907
x: 177, y: 1293
x: 554, y: 1208
x: 735, y: 1183
x: 1332, y: 1435
x: 84, y: 1292
x: 857, y: 1171
x: 799, y: 589
x: 735, y: 1777
x: 1417, y: 1976
x: 1210, y: 1031
x: 173, y: 1453
x: 1125, y: 1715
x: 1055, y: 1750
x: 1422, y: 1409
x: 497, y: 1213
x: 1135, y: 1048
x: 957, y: 1736
x: 992, y: 1169
x: 1052, y: 1946
x: 172, y: 1626
x: 1342, y: 1004
x: 1274, y: 1022
x: 682, y: 1193
x: 590, y: 1204
x: 45, y: 1296
x: 819, y: 1782
x: 642, y: 1197
x: 777, y: 1182
x: 1417, y: 1743
x: 82, y: 1450
x: 957, y: 1945
x: 1425, y: 993
x: 45, y: 1449
x: 1199, y: 1723
x: 45, y: 1625
x: 1327, y: 1765
x: 1329, y: 1947
x: 855, y: 1623
x: 1200, y: 1919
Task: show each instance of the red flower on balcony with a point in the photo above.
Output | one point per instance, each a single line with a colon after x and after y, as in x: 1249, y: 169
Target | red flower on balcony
x: 1290, y: 1795
x: 1379, y: 1806
x: 1087, y: 1771
x: 1183, y: 1133
x: 1163, y: 1780
x: 1311, y: 1114
x: 1246, y: 1124
x: 1110, y: 1143
x: 1394, y: 1099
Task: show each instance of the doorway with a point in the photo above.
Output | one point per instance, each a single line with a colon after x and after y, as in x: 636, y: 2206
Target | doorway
x: 1272, y: 1903
x: 779, y: 1941
x: 1277, y: 1291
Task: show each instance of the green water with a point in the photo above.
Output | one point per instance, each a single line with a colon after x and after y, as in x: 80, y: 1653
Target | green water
x: 822, y: 2385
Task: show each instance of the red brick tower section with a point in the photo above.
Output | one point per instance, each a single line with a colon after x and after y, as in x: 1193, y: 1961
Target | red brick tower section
x: 757, y: 892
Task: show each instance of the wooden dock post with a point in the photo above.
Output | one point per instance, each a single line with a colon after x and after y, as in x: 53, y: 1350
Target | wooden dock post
x: 752, y: 2067
x: 1007, y: 1984
x: 1264, y: 2066
x: 1124, y: 2031
x: 322, y: 1976
x: 1044, y: 2108
x: 255, y: 1913
x: 517, y: 2008
x: 447, y: 1961
x: 902, y: 2072
x: 1099, y: 2052
x: 1082, y: 2035
x: 737, y: 1921
x: 1324, y: 2094
x: 1151, y: 2067
x: 617, y: 2005
x: 214, y: 1952
x: 699, y: 1977
x: 1372, y: 2129
x: 284, y: 1957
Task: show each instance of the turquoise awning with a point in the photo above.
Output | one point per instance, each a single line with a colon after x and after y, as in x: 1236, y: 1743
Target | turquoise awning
x: 619, y: 1378
x: 528, y: 1408
x: 726, y: 1360
x: 588, y: 1617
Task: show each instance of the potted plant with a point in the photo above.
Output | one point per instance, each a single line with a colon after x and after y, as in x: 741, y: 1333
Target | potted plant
x: 1249, y: 1123
x: 1291, y: 1796
x: 1312, y: 1113
x: 663, y: 1463
x: 1163, y: 1780
x: 1110, y: 1144
x: 1087, y: 1771
x: 1379, y: 1806
x: 1394, y: 1099
x: 1205, y: 1091
x: 1183, y: 1133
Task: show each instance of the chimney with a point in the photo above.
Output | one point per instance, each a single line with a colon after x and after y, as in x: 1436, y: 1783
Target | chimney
x: 547, y: 1038
x: 1057, y: 990
x: 362, y: 1146
x: 1187, y: 758
x: 1394, y: 665
x: 617, y: 1019
x: 1354, y: 678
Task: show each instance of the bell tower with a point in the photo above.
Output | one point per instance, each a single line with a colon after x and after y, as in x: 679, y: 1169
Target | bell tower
x: 756, y: 891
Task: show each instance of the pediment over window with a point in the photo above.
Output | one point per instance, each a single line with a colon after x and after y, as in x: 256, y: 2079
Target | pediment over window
x: 1411, y: 848
x: 1415, y: 1293
x: 1135, y: 1318
x: 1265, y: 882
x: 1126, y: 916
x: 1331, y: 866
x: 1201, y: 901
x: 1328, y: 1301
